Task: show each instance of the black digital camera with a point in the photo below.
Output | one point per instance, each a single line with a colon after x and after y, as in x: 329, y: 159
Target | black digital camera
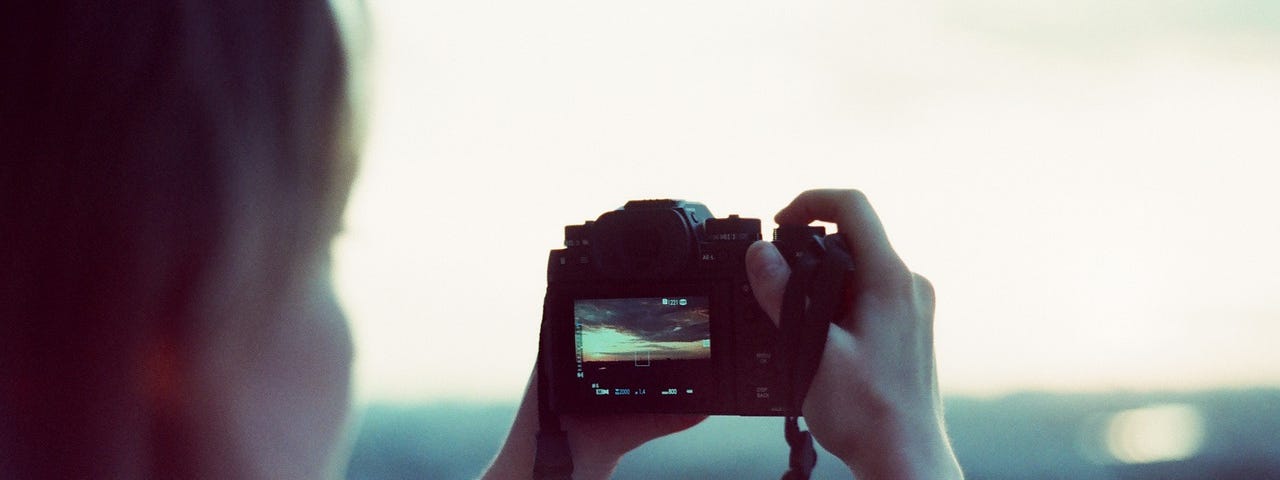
x: 648, y: 309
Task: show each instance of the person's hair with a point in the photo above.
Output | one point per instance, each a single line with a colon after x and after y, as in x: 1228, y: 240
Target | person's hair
x: 169, y: 170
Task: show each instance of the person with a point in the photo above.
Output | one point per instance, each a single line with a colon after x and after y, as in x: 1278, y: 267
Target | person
x: 174, y: 173
x: 874, y: 401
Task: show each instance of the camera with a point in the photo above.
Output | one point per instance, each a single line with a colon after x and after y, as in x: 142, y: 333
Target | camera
x: 648, y: 310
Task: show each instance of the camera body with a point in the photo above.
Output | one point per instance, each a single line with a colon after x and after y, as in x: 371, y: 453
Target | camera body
x: 648, y: 310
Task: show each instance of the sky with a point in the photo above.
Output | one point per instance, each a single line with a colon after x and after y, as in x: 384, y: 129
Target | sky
x: 1089, y: 185
x: 614, y: 329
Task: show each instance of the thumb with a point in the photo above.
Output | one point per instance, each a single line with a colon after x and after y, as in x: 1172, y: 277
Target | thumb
x: 767, y: 272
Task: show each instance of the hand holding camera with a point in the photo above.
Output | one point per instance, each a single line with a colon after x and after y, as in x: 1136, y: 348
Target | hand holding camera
x: 659, y: 309
x: 874, y: 401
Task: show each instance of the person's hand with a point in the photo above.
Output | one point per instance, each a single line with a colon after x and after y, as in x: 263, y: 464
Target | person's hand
x: 874, y: 401
x: 597, y: 442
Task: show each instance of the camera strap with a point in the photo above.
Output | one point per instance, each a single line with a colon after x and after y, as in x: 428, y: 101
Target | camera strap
x: 552, y: 459
x: 813, y: 300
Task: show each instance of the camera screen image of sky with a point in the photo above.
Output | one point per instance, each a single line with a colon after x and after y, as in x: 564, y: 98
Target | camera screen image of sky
x: 638, y: 333
x: 622, y: 329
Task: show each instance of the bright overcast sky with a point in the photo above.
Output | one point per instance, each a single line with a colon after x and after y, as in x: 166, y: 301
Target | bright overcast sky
x: 1092, y: 186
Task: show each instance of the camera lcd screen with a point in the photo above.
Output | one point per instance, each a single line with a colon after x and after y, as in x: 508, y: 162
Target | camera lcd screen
x: 643, y: 329
x: 657, y: 347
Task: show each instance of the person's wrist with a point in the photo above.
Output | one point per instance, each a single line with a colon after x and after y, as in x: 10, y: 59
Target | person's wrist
x: 594, y: 468
x: 591, y: 463
x: 591, y: 460
x: 919, y: 451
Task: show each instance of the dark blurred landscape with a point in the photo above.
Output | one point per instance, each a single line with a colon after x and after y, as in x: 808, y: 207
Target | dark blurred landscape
x: 1020, y: 436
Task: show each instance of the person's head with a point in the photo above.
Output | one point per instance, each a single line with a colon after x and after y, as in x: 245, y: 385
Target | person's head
x: 171, y: 173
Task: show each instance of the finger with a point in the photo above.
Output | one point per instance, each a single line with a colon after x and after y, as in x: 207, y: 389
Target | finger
x: 767, y: 272
x: 878, y: 264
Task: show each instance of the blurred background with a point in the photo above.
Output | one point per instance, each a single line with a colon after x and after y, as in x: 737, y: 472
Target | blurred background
x: 1089, y: 185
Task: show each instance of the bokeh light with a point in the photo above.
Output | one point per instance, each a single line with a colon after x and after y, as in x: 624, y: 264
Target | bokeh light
x: 1158, y: 433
